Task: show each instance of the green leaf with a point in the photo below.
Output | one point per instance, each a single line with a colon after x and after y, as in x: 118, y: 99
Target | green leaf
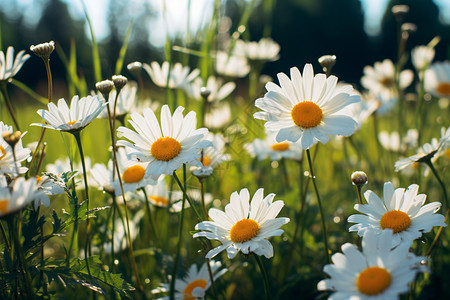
x: 95, y: 53
x: 123, y: 50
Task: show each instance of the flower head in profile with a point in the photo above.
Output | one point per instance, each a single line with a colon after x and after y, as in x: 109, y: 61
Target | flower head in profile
x: 437, y: 79
x: 174, y: 77
x: 378, y: 272
x: 80, y: 114
x: 422, y: 56
x: 18, y: 194
x: 244, y: 226
x: 8, y: 164
x: 428, y: 152
x: 392, y: 142
x: 10, y: 66
x: 50, y: 184
x: 402, y: 211
x: 269, y: 147
x: 307, y: 108
x: 231, y: 66
x: 167, y: 147
x: 263, y: 50
x: 215, y: 86
x: 380, y: 79
x: 213, y: 155
x: 195, y: 284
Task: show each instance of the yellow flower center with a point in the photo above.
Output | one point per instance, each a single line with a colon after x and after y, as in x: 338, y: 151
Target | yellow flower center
x: 387, y: 81
x: 159, y: 201
x: 306, y: 114
x: 38, y: 178
x: 206, y: 161
x: 373, y: 280
x: 191, y: 286
x: 165, y: 148
x: 3, y: 151
x: 244, y: 230
x: 415, y: 165
x: 444, y: 88
x: 4, y: 205
x: 133, y: 174
x: 396, y: 220
x: 71, y: 122
x: 280, y: 146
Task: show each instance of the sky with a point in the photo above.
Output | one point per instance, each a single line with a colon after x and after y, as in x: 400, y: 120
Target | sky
x: 175, y: 18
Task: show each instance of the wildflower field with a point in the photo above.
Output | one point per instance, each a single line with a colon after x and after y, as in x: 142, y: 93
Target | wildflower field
x: 198, y: 176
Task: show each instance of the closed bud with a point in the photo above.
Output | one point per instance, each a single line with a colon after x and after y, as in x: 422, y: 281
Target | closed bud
x: 327, y: 61
x: 359, y: 178
x: 12, y: 138
x: 104, y: 86
x: 43, y: 50
x: 119, y: 81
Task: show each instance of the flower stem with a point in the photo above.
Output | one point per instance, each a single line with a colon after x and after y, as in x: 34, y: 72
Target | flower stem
x: 150, y: 218
x: 264, y: 275
x: 211, y: 277
x: 180, y: 232
x: 435, y: 173
x: 8, y: 104
x: 322, y: 218
x: 358, y: 188
x: 191, y: 203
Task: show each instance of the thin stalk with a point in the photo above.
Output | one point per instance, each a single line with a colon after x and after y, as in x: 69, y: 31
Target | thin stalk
x: 358, y: 188
x: 202, y: 191
x: 211, y: 277
x: 150, y: 217
x: 8, y: 104
x: 435, y: 173
x: 438, y: 235
x: 180, y: 232
x: 322, y: 217
x: 264, y: 275
x: 191, y: 203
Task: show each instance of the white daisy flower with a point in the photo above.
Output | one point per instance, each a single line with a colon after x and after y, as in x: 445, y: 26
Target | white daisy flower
x: 167, y: 147
x: 422, y: 56
x: 307, y: 108
x: 263, y: 50
x: 125, y: 103
x: 378, y: 272
x: 194, y: 194
x: 18, y: 194
x: 361, y: 111
x: 437, y: 79
x: 195, y: 284
x: 61, y: 166
x: 179, y: 76
x: 50, y: 186
x: 158, y: 194
x: 10, y: 66
x: 391, y: 141
x: 380, y: 79
x: 218, y: 90
x: 427, y: 151
x: 7, y: 163
x: 269, y: 147
x: 214, y: 154
x: 231, y: 66
x: 102, y: 177
x: 218, y: 117
x: 80, y: 114
x: 244, y: 227
x: 401, y: 210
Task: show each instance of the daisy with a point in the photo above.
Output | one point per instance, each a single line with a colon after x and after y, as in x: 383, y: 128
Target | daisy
x: 18, y: 194
x: 196, y: 282
x: 178, y: 75
x: 81, y: 113
x: 306, y: 108
x: 378, y: 272
x: 217, y: 89
x: 125, y: 103
x: 380, y: 79
x: 51, y: 185
x: 10, y: 66
x: 158, y: 194
x: 427, y: 151
x: 218, y: 117
x: 167, y: 147
x: 401, y: 210
x: 194, y: 194
x: 231, y: 66
x: 263, y: 50
x: 212, y: 156
x: 422, y: 56
x: 437, y: 79
x: 61, y: 166
x: 102, y: 177
x: 7, y: 163
x: 391, y: 141
x: 269, y: 147
x: 244, y: 227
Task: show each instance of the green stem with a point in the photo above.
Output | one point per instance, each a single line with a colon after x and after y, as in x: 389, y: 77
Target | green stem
x: 264, y: 275
x: 8, y: 104
x: 438, y: 235
x: 358, y: 188
x: 202, y: 191
x: 322, y: 217
x: 150, y: 218
x: 180, y: 232
x: 191, y: 203
x: 444, y: 189
x: 211, y: 277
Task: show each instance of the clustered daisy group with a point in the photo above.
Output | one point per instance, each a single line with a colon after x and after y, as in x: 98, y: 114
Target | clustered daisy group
x: 300, y: 111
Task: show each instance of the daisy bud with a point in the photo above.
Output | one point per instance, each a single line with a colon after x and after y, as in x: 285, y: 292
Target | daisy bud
x: 204, y: 92
x: 12, y: 138
x: 43, y: 50
x: 134, y: 66
x: 327, y: 61
x: 400, y: 10
x: 104, y: 86
x: 359, y: 178
x: 119, y: 81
